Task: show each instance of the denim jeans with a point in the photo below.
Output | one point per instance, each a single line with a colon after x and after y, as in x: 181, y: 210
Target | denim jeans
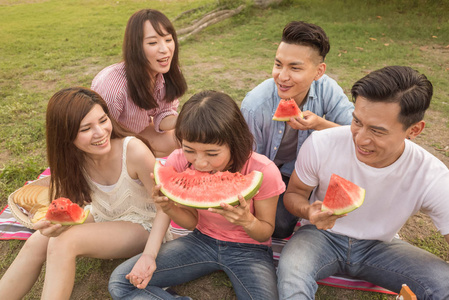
x: 285, y: 222
x: 249, y: 267
x: 313, y: 254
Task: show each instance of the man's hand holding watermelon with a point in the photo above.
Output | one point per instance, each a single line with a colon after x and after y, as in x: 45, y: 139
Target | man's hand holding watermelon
x: 321, y: 219
x: 310, y: 121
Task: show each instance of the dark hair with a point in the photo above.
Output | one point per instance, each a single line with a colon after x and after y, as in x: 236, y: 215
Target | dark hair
x: 305, y: 34
x: 212, y: 117
x: 397, y: 84
x: 65, y: 111
x: 137, y: 65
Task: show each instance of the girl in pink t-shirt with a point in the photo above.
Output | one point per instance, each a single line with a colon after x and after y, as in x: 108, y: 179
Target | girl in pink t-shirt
x: 235, y: 239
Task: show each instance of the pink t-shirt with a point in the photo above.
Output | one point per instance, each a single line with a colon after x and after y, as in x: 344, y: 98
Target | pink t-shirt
x: 112, y: 85
x: 216, y: 226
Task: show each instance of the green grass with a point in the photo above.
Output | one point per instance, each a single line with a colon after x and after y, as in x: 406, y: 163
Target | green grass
x: 48, y: 45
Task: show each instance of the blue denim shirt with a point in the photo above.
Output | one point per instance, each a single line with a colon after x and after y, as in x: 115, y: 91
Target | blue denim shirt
x: 325, y: 97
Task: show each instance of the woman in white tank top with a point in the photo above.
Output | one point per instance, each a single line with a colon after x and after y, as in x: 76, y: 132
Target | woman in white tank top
x: 99, y: 165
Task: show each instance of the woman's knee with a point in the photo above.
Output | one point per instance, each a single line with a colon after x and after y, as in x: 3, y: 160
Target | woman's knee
x: 64, y: 243
x: 36, y: 246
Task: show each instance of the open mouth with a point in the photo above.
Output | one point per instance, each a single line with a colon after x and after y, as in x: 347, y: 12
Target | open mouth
x: 210, y: 172
x: 164, y: 60
x: 283, y: 87
x: 103, y: 141
x: 364, y: 151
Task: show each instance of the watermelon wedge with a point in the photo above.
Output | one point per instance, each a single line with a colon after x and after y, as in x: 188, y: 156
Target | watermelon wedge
x: 342, y: 196
x: 203, y: 190
x: 287, y: 109
x: 63, y: 211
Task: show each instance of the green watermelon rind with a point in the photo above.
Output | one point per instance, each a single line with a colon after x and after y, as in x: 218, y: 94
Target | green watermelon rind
x: 286, y: 119
x: 248, y: 193
x: 81, y: 221
x: 348, y: 209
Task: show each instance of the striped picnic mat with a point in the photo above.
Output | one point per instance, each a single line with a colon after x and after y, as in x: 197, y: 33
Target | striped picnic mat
x: 10, y: 228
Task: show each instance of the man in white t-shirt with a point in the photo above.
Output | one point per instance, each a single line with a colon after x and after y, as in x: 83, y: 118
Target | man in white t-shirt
x: 400, y: 178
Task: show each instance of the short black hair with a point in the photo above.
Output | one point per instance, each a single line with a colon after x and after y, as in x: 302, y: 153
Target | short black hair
x: 397, y: 84
x: 212, y: 117
x: 306, y: 34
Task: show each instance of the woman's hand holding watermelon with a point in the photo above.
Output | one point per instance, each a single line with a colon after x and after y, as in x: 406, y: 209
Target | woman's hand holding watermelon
x: 184, y: 216
x: 238, y: 215
x: 161, y: 200
x: 48, y: 229
x: 322, y: 220
x: 142, y: 271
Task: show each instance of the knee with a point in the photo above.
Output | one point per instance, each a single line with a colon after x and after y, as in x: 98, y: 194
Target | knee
x: 36, y: 246
x: 294, y: 283
x: 118, y: 285
x: 285, y: 268
x: 114, y: 290
x: 436, y: 288
x: 62, y: 245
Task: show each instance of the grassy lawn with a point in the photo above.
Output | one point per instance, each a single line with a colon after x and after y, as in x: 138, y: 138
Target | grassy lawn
x: 49, y: 45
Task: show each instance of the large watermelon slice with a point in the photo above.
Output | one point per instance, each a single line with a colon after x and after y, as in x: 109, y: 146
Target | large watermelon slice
x: 342, y: 196
x: 203, y: 190
x: 63, y: 211
x: 287, y: 109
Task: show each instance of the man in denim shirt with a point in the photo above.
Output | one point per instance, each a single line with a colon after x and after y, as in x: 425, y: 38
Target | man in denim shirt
x: 298, y: 73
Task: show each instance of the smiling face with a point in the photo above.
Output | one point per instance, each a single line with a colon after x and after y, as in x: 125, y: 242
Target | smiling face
x: 207, y: 157
x: 377, y: 133
x: 158, y: 49
x: 295, y: 68
x: 94, y: 134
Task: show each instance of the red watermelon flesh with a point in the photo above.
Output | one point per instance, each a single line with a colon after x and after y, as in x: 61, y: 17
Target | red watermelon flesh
x: 287, y: 109
x: 342, y: 196
x: 203, y: 190
x: 63, y: 211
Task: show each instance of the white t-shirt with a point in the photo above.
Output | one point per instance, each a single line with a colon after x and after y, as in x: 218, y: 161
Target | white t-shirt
x: 417, y: 180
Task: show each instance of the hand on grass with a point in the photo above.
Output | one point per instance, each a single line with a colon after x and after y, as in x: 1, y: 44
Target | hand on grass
x: 142, y: 271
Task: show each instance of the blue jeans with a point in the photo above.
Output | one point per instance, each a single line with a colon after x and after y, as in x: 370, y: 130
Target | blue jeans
x: 285, y: 222
x: 313, y: 254
x: 249, y: 267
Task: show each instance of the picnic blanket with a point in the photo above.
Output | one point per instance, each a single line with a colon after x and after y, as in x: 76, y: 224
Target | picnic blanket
x: 11, y: 229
